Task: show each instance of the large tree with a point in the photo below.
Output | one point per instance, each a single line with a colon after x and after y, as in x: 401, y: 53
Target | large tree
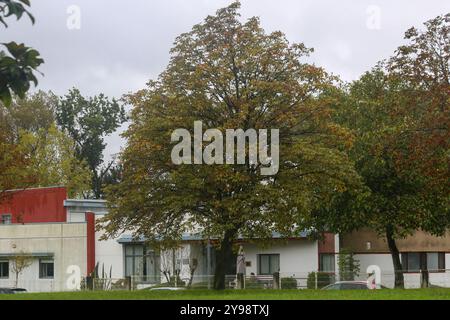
x: 399, y: 113
x: 230, y: 75
x: 88, y: 121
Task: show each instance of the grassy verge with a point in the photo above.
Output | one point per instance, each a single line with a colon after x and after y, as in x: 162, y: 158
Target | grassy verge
x: 420, y: 294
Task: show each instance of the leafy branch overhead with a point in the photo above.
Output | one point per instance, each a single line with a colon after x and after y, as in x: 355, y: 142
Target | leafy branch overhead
x: 14, y: 8
x: 19, y: 62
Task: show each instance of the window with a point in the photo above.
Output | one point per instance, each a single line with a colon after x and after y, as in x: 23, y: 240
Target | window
x: 435, y: 261
x: 413, y: 262
x: 416, y: 261
x: 140, y: 261
x: 327, y: 263
x: 46, y: 268
x: 4, y: 269
x: 354, y: 286
x: 268, y: 264
x: 6, y: 219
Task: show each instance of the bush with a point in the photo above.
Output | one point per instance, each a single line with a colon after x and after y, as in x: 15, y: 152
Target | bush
x: 323, y: 280
x: 288, y: 283
x: 253, y: 283
x: 349, y: 267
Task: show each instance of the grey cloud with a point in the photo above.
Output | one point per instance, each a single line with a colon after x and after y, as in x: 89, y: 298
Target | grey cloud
x: 123, y: 44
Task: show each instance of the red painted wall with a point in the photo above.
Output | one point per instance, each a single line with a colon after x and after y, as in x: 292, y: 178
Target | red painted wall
x: 35, y: 205
x: 90, y: 219
x: 327, y: 244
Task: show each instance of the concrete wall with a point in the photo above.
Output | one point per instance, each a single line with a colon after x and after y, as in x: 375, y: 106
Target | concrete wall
x: 297, y: 257
x: 110, y: 254
x: 419, y: 242
x: 66, y: 242
x: 412, y: 280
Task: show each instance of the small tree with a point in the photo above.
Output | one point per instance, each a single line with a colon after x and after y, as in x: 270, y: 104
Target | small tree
x: 193, y: 258
x: 167, y: 263
x: 349, y: 267
x: 20, y: 262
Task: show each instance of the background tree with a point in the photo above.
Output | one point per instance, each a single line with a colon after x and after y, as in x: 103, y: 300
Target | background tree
x: 88, y: 121
x: 15, y: 169
x: 230, y: 75
x: 55, y: 162
x: 399, y: 113
x: 18, y: 63
x: 48, y: 154
x: 15, y: 165
x: 32, y: 113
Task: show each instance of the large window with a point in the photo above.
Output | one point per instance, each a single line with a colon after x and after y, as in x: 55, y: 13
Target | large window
x: 327, y: 262
x: 4, y: 269
x: 142, y: 262
x: 268, y: 264
x: 46, y: 268
x: 416, y: 261
x: 6, y: 219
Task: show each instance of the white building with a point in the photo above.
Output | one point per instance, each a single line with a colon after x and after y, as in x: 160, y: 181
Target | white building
x: 58, y: 237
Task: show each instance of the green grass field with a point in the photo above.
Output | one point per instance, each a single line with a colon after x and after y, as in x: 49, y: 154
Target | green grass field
x: 422, y: 294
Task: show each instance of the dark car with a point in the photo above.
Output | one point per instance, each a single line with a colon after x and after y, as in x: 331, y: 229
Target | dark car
x: 19, y: 290
x: 6, y: 291
x: 348, y: 285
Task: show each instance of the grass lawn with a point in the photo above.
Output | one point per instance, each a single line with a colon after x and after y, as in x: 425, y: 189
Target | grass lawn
x: 420, y: 294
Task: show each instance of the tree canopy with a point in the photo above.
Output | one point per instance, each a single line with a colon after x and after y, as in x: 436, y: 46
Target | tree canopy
x: 39, y: 153
x: 399, y: 113
x: 231, y: 75
x: 88, y: 121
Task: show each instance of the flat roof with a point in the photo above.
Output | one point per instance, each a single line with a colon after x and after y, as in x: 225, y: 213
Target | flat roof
x: 32, y: 254
x: 85, y: 203
x: 127, y: 238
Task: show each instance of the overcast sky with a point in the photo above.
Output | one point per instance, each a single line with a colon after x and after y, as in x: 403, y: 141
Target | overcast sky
x: 120, y: 45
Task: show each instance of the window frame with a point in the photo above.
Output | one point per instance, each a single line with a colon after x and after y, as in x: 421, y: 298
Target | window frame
x: 3, y: 262
x: 270, y: 256
x: 45, y: 262
x: 3, y: 216
x: 136, y: 254
x: 321, y: 255
x: 423, y: 262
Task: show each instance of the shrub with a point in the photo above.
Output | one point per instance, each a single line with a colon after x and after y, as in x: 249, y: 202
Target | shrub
x: 288, y: 283
x: 323, y: 279
x: 349, y: 267
x: 253, y: 283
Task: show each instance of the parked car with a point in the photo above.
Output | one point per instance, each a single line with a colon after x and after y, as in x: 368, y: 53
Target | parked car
x: 6, y: 291
x: 349, y: 285
x: 19, y: 290
x: 167, y: 288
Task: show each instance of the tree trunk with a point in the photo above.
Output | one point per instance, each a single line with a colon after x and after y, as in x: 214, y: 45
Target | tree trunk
x: 224, y: 261
x: 398, y: 268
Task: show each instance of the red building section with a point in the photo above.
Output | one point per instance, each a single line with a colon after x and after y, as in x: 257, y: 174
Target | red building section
x: 326, y: 245
x: 90, y: 219
x: 35, y: 205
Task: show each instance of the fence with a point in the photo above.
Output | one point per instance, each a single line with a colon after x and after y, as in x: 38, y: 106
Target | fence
x: 284, y: 280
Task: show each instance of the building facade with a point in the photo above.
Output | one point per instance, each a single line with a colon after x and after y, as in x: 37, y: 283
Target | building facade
x: 419, y: 252
x: 57, y: 236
